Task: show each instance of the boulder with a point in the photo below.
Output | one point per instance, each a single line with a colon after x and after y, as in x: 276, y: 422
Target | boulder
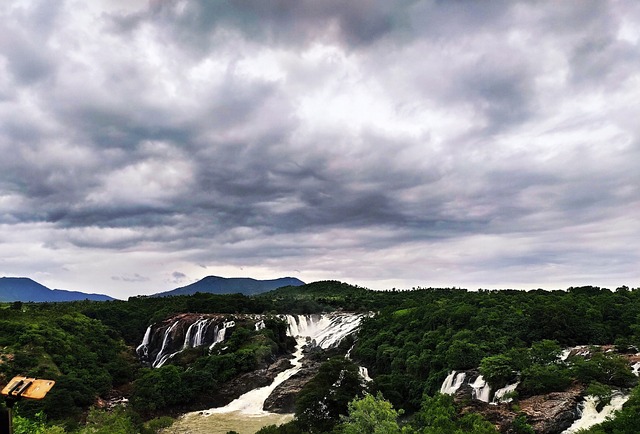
x: 554, y: 412
x: 282, y: 399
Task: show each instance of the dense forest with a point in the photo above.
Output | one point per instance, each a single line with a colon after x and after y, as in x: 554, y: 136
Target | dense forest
x: 409, y: 341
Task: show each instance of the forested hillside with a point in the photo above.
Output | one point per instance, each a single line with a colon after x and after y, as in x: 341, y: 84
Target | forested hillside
x: 409, y: 342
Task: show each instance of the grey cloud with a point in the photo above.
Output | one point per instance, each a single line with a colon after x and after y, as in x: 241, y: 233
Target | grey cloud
x: 603, y: 61
x: 133, y: 278
x: 178, y: 277
x: 289, y: 22
x: 469, y: 132
x: 25, y: 43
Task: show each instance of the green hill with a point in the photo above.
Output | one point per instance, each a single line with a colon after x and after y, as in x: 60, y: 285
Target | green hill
x: 25, y: 289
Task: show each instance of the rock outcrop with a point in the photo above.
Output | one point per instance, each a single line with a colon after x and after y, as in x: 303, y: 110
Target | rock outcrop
x: 166, y: 339
x: 251, y: 380
x: 551, y: 413
x: 282, y: 399
x: 554, y: 412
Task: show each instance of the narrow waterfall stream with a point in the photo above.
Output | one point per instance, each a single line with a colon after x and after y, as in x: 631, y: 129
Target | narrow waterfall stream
x: 251, y: 402
x: 245, y: 414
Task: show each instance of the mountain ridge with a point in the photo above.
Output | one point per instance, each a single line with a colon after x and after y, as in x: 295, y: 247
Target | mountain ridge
x: 232, y: 285
x: 28, y: 290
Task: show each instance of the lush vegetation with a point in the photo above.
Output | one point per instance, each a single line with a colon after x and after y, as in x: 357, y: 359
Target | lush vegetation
x: 625, y: 421
x: 409, y: 345
x: 196, y: 374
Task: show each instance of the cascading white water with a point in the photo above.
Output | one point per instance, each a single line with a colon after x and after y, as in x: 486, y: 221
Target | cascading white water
x: 245, y: 414
x: 198, y: 339
x: 251, y: 403
x: 364, y: 373
x: 144, y: 346
x: 324, y: 330
x: 499, y: 396
x: 200, y: 327
x: 589, y: 415
x: 481, y: 390
x: 161, y: 358
x: 635, y: 368
x: 452, y: 383
x: 565, y: 354
x: 220, y: 333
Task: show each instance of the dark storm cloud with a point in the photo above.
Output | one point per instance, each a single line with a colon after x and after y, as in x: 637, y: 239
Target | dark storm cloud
x: 287, y: 21
x: 298, y: 134
x: 26, y: 30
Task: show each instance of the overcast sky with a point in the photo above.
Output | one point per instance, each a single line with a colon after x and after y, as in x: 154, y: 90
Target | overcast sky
x: 146, y: 145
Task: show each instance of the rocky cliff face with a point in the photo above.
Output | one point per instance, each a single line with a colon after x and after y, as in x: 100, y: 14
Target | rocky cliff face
x: 251, y: 380
x: 282, y: 399
x: 165, y: 339
x: 547, y: 414
x: 317, y: 332
x: 551, y: 413
x: 554, y: 412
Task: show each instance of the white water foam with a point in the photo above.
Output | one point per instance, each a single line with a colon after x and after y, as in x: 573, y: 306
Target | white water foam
x: 590, y: 416
x: 452, y: 383
x: 481, y: 390
x: 499, y: 396
x: 322, y: 330
x: 144, y: 346
x: 251, y: 403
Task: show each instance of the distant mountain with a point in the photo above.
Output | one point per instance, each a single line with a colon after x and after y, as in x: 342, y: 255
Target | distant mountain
x: 24, y: 289
x: 233, y: 285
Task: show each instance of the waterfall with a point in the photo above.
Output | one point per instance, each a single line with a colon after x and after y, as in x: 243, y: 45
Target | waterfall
x: 498, y: 397
x: 589, y: 414
x: 163, y: 341
x: 565, y: 354
x: 364, y: 373
x: 143, y: 348
x: 161, y: 358
x: 200, y: 326
x: 481, y: 390
x: 635, y: 368
x: 246, y: 414
x: 252, y: 402
x: 220, y: 332
x: 325, y: 331
x: 452, y: 383
x: 321, y: 330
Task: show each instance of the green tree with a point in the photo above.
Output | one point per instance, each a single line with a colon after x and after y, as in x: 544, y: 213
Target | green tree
x: 371, y: 415
x: 497, y: 370
x: 463, y: 355
x: 35, y: 425
x: 538, y: 379
x: 321, y: 402
x: 545, y: 352
x: 438, y: 415
x: 116, y: 421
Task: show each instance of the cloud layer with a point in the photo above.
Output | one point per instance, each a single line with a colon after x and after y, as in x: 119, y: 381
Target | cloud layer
x: 382, y: 143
